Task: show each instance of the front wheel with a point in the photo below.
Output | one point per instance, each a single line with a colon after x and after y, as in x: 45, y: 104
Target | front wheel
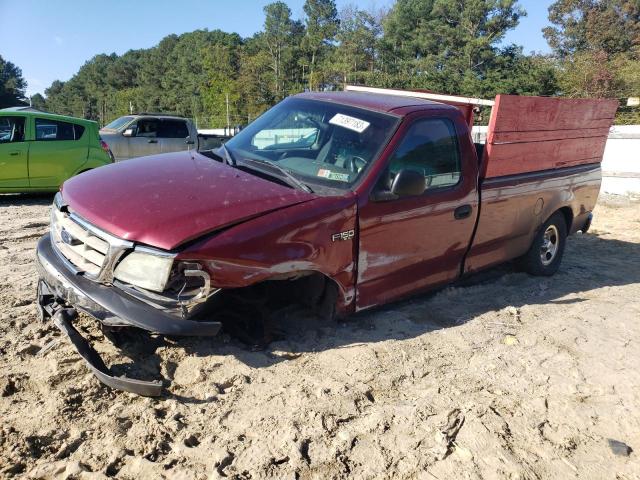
x: 545, y: 254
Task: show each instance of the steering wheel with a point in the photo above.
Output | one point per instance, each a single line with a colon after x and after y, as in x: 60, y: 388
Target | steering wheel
x: 356, y: 163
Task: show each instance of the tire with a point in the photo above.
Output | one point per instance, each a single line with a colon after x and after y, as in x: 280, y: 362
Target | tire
x: 545, y: 254
x: 326, y: 306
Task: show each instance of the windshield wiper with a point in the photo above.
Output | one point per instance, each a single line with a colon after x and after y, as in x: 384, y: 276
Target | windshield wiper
x: 292, y: 180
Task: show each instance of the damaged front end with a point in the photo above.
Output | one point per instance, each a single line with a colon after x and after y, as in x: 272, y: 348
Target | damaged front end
x: 120, y: 284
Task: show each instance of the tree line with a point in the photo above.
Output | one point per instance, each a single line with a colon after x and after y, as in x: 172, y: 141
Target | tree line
x: 448, y: 46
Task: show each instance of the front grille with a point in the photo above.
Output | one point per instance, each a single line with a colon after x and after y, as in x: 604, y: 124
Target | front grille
x: 87, y: 249
x: 83, y: 248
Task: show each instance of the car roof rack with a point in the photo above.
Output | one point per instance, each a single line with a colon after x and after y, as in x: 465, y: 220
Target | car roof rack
x: 159, y: 114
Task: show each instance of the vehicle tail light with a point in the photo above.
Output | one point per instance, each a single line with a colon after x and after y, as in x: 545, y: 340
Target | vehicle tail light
x: 107, y: 150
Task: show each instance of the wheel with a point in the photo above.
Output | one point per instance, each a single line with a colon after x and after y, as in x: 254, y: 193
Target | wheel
x: 545, y: 254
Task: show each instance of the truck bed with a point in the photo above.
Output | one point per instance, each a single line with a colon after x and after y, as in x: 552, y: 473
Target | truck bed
x: 512, y: 208
x: 540, y: 153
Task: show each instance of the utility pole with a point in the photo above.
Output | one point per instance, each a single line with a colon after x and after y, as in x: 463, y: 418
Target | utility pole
x: 130, y: 107
x: 303, y: 67
x: 227, y: 97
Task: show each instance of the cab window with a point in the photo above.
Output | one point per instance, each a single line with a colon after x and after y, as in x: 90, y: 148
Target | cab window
x: 147, y: 127
x: 430, y: 148
x: 51, y: 130
x: 11, y: 129
x: 173, y: 129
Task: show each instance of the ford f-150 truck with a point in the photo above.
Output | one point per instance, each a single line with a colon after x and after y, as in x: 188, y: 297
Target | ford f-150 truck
x: 339, y: 201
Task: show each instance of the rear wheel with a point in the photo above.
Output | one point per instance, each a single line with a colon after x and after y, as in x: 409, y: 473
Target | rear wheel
x: 545, y: 254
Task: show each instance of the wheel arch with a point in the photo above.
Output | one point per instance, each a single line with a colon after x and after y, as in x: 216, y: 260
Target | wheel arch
x: 567, y: 213
x: 324, y: 288
x: 311, y: 289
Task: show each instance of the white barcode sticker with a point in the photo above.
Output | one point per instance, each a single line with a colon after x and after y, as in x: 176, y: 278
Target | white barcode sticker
x: 351, y: 123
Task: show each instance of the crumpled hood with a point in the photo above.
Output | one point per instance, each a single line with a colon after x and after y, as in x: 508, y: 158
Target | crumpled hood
x: 167, y: 200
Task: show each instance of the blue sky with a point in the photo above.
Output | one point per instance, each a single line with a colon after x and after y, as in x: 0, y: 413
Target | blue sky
x: 51, y: 40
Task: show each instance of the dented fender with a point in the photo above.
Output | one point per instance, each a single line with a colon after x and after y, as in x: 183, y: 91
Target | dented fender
x: 317, y: 236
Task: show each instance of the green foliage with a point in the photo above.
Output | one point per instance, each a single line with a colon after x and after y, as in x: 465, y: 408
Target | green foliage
x: 450, y: 46
x: 597, y: 43
x: 321, y: 28
x: 38, y: 101
x: 220, y: 92
x: 511, y: 72
x: 186, y: 74
x: 447, y: 45
x: 611, y: 26
x: 355, y: 57
x: 12, y: 85
x: 279, y: 41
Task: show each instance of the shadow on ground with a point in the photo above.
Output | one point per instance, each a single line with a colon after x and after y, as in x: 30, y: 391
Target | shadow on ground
x: 590, y: 262
x: 25, y: 199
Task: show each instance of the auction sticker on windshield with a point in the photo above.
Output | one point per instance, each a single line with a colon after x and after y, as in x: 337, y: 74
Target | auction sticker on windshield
x: 351, y: 123
x: 342, y: 177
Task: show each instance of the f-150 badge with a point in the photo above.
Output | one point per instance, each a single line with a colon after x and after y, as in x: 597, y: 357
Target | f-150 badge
x: 348, y: 235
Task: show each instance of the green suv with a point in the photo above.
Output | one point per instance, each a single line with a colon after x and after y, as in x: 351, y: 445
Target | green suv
x: 39, y: 151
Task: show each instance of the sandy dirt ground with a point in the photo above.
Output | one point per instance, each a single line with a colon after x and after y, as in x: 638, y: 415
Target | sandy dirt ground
x: 505, y: 377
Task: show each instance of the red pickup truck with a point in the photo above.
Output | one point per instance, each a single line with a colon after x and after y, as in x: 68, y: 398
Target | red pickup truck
x: 339, y: 201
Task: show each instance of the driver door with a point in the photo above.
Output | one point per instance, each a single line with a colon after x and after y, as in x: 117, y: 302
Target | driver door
x: 145, y: 142
x: 14, y: 151
x: 412, y: 243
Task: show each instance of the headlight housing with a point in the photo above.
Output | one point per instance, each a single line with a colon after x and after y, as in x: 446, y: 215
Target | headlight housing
x: 145, y: 268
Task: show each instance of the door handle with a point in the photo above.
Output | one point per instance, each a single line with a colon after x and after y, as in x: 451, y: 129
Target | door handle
x: 13, y: 154
x: 152, y: 141
x: 462, y: 212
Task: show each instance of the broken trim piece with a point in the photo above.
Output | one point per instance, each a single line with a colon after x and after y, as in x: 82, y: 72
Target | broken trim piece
x: 62, y: 319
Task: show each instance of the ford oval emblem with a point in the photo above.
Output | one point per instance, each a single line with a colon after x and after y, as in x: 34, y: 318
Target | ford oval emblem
x: 66, y: 237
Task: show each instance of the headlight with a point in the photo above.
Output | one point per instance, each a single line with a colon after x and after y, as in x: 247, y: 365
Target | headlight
x: 145, y: 268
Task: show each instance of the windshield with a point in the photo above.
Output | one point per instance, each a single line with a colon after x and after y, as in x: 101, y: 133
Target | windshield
x: 318, y: 142
x: 118, y: 123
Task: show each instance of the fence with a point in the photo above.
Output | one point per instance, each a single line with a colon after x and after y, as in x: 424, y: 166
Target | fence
x: 621, y: 162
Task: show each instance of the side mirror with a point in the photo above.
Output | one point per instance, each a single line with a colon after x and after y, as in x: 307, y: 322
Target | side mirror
x: 189, y: 141
x: 408, y: 183
x: 129, y: 132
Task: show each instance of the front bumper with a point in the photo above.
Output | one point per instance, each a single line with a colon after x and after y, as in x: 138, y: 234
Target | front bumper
x: 59, y: 288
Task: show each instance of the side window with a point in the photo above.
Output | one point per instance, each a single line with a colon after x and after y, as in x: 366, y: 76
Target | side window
x: 147, y: 127
x: 173, y: 129
x: 54, y: 130
x: 11, y: 129
x: 429, y: 147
